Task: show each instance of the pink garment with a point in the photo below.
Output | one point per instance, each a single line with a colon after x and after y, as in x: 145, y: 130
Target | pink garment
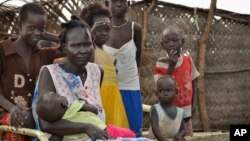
x: 116, y: 132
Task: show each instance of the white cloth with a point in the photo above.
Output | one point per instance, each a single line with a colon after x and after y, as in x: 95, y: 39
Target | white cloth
x: 128, y: 78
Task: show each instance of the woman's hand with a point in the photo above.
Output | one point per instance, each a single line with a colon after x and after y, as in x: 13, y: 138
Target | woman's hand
x: 96, y: 133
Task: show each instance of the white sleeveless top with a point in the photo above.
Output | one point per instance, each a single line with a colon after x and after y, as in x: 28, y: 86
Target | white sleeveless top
x: 169, y: 127
x: 71, y: 87
x: 128, y: 78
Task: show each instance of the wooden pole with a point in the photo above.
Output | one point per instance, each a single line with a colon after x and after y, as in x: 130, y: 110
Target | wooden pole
x: 145, y: 21
x: 146, y: 13
x: 201, y: 67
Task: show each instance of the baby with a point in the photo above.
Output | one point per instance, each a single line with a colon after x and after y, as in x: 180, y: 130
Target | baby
x: 52, y: 107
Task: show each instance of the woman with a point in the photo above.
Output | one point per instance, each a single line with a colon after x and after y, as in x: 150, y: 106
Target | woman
x: 73, y: 79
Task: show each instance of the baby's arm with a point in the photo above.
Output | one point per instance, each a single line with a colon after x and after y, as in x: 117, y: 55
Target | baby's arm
x: 154, y: 124
x: 181, y: 134
x: 89, y: 107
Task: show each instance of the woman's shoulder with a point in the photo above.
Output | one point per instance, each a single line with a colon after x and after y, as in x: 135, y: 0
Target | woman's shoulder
x: 51, y: 66
x: 93, y: 67
x: 90, y: 64
x: 48, y: 66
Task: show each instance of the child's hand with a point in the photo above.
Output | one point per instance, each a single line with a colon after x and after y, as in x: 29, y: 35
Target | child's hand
x: 21, y: 117
x: 90, y: 108
x: 173, y: 56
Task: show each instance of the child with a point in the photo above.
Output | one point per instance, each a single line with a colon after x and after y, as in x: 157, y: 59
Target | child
x: 79, y: 111
x: 124, y: 45
x: 20, y: 62
x: 98, y: 18
x: 166, y: 119
x: 182, y: 68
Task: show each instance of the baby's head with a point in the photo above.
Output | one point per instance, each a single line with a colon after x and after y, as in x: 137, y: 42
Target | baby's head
x: 51, y: 106
x: 172, y: 39
x: 166, y: 89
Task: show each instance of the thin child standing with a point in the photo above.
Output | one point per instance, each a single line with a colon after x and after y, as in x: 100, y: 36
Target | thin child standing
x: 167, y: 119
x: 98, y: 17
x: 124, y: 45
x: 183, y: 70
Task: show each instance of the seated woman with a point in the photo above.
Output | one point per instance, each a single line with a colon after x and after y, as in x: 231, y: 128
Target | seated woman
x: 74, y: 79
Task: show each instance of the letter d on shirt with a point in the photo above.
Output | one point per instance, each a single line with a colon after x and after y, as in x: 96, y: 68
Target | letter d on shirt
x: 19, y: 81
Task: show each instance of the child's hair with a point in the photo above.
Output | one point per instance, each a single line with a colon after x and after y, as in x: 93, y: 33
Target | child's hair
x: 75, y: 22
x: 32, y: 8
x: 96, y: 9
x: 173, y: 28
x: 163, y: 78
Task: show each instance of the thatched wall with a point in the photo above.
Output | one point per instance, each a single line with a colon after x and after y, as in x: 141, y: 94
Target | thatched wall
x: 227, y: 61
x: 54, y: 9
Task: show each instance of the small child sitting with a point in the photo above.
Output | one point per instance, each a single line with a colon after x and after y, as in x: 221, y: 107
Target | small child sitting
x: 57, y: 107
x: 166, y: 119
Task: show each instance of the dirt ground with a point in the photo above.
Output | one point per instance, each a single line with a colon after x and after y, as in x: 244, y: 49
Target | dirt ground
x: 222, y: 137
x: 203, y: 136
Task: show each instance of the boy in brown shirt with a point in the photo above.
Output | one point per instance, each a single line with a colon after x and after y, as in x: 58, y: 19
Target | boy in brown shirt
x: 20, y: 62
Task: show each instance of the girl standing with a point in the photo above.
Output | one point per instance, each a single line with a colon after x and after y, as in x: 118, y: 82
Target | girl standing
x: 124, y: 45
